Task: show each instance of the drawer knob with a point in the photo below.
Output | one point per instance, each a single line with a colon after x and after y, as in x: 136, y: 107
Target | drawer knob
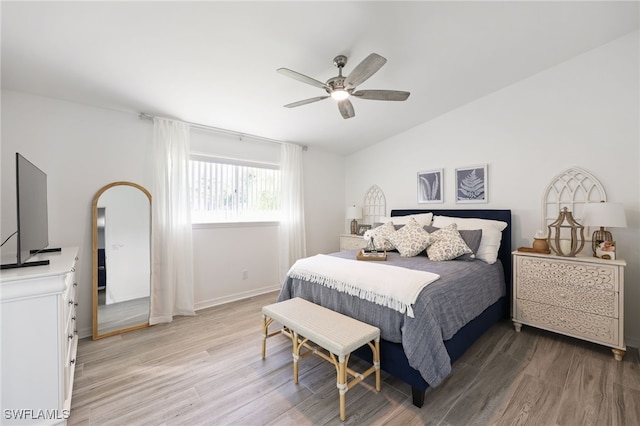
x: 70, y: 336
x: 70, y: 302
x: 73, y: 361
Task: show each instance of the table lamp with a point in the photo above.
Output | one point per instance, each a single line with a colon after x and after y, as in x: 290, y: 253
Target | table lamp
x: 603, y: 215
x: 354, y: 213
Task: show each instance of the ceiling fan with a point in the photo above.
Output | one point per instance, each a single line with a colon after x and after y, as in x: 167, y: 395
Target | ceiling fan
x: 342, y: 88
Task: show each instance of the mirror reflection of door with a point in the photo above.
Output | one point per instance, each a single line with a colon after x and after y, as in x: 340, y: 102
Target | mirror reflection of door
x: 102, y: 266
x: 122, y: 261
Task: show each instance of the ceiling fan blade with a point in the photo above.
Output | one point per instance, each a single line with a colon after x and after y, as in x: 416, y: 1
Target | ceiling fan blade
x: 346, y: 109
x: 365, y: 69
x: 382, y: 95
x: 301, y: 77
x: 305, y: 101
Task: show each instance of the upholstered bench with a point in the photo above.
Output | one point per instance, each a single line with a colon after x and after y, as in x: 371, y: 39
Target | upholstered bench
x: 305, y: 322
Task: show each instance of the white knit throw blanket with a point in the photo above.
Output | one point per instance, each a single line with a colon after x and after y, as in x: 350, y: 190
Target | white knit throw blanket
x: 391, y: 286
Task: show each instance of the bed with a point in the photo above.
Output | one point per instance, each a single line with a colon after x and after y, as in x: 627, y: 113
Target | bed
x: 448, y: 316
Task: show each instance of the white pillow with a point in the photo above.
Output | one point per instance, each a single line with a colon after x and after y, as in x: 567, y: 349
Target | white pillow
x: 381, y: 236
x: 423, y: 219
x: 491, y: 233
x: 411, y: 239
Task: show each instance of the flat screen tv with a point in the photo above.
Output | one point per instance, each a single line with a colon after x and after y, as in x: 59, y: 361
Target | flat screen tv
x: 32, y: 213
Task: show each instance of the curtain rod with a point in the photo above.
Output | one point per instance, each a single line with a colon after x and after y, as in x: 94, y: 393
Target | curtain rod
x: 145, y: 116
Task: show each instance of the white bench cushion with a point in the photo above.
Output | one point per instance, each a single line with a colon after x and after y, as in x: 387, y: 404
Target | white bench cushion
x: 331, y: 330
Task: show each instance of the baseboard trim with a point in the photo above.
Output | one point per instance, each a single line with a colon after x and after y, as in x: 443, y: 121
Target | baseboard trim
x: 234, y: 297
x: 88, y: 332
x: 631, y: 342
x: 85, y: 332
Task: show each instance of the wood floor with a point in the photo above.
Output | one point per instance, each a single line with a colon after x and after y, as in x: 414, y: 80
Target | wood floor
x: 207, y: 370
x: 120, y: 315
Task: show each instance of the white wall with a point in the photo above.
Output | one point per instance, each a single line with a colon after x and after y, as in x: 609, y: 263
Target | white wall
x: 324, y: 179
x: 582, y: 113
x: 83, y: 148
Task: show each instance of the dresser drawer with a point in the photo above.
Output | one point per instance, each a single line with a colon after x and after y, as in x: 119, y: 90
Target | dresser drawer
x: 533, y: 271
x: 68, y: 372
x: 583, y: 325
x: 69, y: 298
x: 580, y: 298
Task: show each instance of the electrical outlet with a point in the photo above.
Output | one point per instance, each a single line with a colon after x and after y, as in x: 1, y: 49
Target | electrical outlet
x: 245, y: 274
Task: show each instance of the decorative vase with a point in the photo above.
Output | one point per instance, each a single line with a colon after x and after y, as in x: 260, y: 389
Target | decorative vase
x: 540, y: 244
x: 371, y: 246
x: 563, y: 236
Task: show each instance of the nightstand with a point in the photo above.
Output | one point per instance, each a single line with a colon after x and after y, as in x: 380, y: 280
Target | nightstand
x: 581, y: 297
x: 352, y: 242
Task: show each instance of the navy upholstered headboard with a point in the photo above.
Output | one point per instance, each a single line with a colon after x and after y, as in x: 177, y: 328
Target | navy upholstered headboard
x: 504, y: 253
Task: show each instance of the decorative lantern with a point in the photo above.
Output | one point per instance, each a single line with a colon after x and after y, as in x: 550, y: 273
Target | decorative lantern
x: 563, y: 235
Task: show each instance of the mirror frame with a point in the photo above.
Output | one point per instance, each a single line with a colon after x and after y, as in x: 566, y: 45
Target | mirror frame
x: 94, y: 258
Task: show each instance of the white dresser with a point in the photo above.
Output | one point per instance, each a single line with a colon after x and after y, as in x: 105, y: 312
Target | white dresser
x: 581, y: 296
x: 39, y: 340
x: 352, y: 242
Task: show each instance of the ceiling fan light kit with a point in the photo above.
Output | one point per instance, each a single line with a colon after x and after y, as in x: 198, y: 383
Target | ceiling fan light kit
x: 341, y: 88
x: 340, y: 95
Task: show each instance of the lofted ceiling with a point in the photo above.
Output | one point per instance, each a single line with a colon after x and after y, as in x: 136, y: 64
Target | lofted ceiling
x: 214, y: 63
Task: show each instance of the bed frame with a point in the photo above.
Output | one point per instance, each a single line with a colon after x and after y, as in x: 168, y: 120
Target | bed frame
x: 393, y: 359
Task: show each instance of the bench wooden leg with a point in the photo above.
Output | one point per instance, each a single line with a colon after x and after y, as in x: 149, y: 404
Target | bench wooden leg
x: 342, y: 385
x: 266, y: 322
x: 376, y: 363
x: 265, y: 333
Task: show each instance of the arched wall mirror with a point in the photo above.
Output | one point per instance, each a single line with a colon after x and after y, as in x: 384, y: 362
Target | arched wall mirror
x: 121, y: 251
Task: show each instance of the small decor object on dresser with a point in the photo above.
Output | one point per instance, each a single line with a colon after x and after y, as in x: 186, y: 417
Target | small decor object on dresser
x: 563, y: 235
x: 606, y: 249
x: 363, y: 228
x: 541, y: 245
x: 601, y: 215
x: 354, y: 213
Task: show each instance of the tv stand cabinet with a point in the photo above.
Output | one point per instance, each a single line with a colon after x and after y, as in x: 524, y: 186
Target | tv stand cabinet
x: 39, y: 340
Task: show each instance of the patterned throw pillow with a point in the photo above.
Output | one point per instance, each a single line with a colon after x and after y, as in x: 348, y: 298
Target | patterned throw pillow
x: 381, y: 236
x: 411, y: 239
x: 491, y: 234
x: 447, y: 244
x: 471, y: 237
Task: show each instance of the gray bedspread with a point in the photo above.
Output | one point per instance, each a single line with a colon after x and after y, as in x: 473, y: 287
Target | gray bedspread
x: 465, y: 289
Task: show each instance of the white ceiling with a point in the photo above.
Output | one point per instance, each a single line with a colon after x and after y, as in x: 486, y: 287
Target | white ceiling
x: 215, y: 63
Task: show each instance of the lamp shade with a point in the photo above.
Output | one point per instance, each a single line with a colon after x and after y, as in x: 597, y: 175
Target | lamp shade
x: 606, y: 215
x: 354, y: 212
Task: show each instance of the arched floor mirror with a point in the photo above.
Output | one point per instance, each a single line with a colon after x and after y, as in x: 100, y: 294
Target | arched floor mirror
x: 121, y: 252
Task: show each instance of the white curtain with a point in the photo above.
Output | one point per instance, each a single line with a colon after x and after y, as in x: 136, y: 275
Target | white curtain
x: 292, y: 234
x: 171, y: 240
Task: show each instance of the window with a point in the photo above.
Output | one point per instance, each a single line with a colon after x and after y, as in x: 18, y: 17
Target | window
x: 225, y: 190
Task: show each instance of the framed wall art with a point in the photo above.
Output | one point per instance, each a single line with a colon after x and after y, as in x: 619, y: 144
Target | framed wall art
x: 471, y: 184
x: 430, y: 186
x: 363, y: 228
